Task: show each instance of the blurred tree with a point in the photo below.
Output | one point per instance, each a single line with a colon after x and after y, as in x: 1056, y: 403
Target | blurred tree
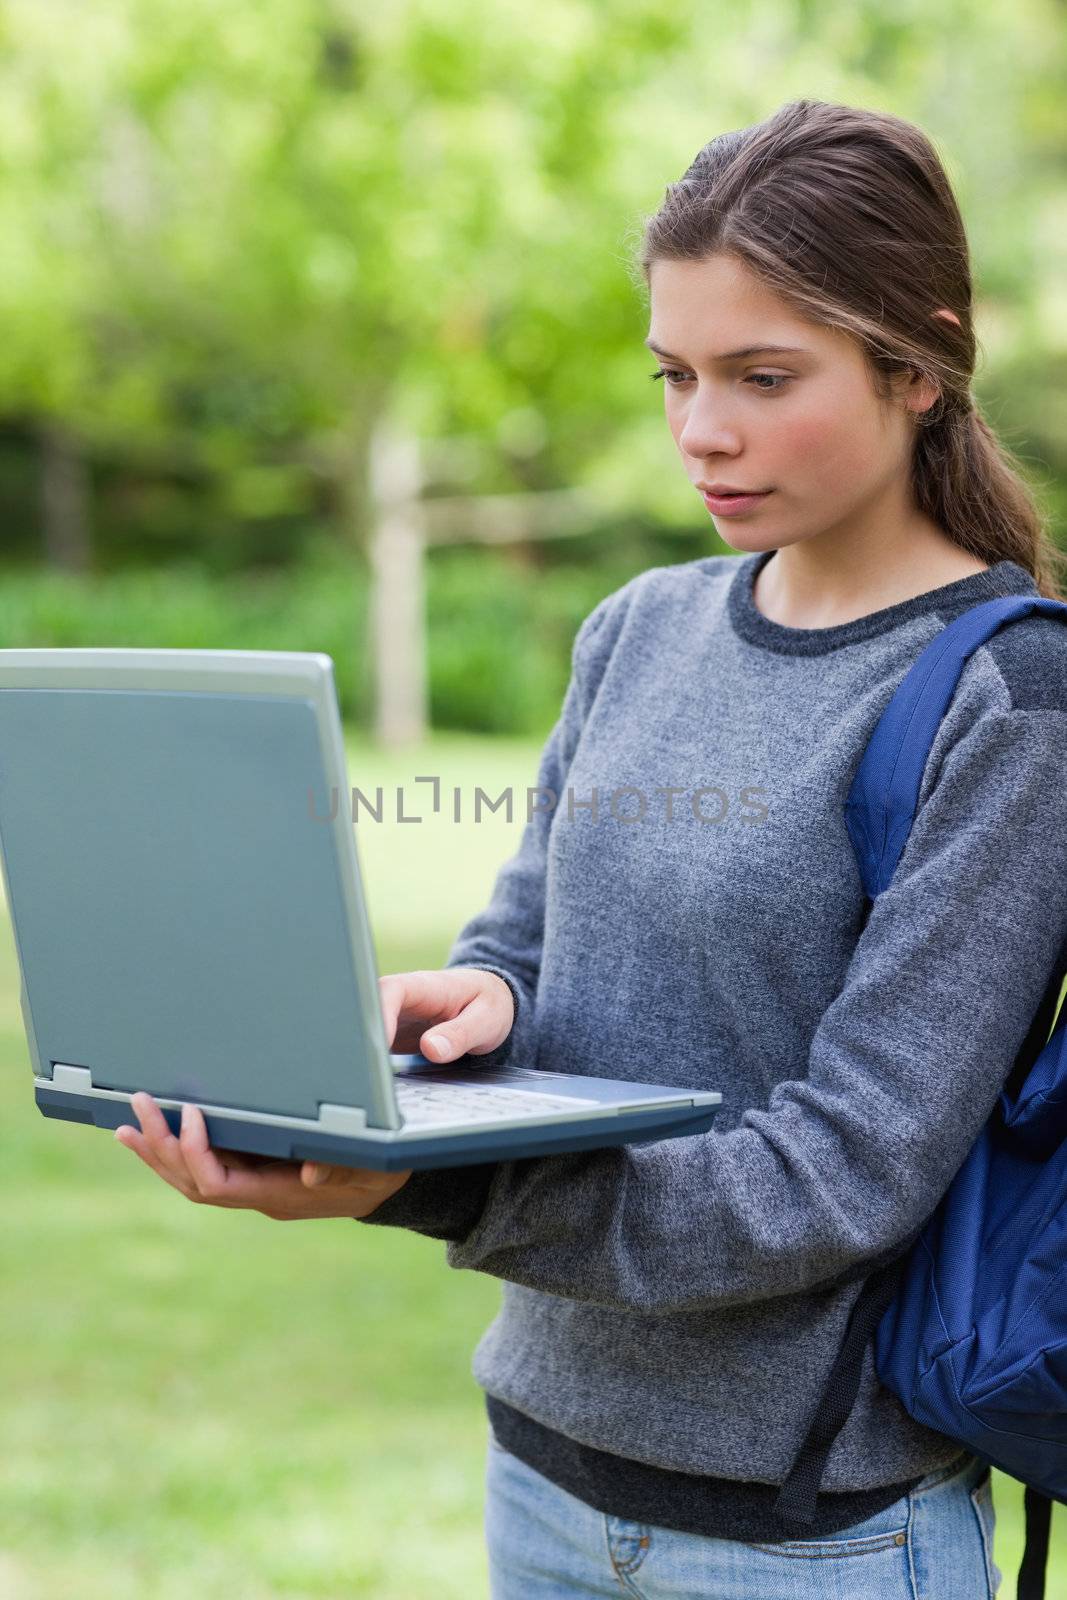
x: 235, y: 237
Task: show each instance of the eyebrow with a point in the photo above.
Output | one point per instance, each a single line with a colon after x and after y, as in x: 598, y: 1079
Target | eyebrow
x: 746, y: 350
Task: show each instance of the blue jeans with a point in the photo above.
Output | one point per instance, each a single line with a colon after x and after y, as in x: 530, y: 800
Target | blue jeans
x: 934, y: 1543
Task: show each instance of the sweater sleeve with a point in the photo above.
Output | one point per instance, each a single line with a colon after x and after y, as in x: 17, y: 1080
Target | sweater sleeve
x: 853, y: 1154
x: 505, y: 938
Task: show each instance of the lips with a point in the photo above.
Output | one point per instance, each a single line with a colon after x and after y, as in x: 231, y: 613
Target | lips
x: 723, y: 504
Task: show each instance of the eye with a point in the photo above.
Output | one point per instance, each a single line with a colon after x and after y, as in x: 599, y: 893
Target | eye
x: 777, y: 379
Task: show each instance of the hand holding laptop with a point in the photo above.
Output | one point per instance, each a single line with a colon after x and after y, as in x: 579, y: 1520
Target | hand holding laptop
x: 281, y: 1190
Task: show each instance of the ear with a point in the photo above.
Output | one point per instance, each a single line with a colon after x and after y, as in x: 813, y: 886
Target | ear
x: 919, y: 392
x: 912, y: 391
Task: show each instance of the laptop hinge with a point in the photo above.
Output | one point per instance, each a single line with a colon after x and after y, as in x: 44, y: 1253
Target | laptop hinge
x: 79, y: 1080
x: 342, y: 1119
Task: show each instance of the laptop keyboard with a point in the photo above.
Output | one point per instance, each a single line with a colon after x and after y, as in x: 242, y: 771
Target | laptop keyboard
x: 441, y: 1102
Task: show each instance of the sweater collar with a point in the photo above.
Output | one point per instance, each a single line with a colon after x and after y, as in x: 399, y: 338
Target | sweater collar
x: 749, y: 623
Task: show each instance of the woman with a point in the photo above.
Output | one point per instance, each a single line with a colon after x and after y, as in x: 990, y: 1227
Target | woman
x: 691, y: 907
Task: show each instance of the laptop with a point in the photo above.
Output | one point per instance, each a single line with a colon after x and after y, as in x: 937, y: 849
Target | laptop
x: 180, y: 865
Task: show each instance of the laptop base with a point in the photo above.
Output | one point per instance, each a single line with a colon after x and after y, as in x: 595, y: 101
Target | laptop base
x: 390, y: 1152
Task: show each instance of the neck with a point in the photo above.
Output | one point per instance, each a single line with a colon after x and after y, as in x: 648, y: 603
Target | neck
x: 830, y: 579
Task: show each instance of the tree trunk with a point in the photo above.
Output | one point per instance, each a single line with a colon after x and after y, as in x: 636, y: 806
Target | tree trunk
x: 398, y: 621
x: 65, y: 500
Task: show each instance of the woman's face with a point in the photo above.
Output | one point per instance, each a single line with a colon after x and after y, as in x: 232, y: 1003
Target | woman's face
x: 804, y: 423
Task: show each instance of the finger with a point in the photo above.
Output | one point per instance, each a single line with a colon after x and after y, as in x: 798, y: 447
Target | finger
x: 472, y: 1027
x: 213, y: 1171
x: 167, y: 1154
x: 160, y: 1140
x: 271, y: 1187
x: 134, y: 1140
x: 264, y: 1197
x: 410, y: 1000
x: 210, y: 1174
x: 317, y: 1175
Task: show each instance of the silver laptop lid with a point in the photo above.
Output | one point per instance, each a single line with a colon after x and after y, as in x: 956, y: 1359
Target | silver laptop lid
x: 183, y: 880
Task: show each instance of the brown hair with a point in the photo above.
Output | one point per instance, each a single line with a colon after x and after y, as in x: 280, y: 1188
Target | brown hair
x: 849, y: 216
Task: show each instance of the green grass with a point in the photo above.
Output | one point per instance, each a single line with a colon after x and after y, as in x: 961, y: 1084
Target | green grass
x: 205, y: 1403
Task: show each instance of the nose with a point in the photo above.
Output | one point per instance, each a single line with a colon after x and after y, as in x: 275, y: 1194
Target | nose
x: 706, y: 431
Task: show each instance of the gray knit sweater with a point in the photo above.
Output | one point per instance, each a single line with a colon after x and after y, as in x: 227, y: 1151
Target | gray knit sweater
x: 679, y: 1303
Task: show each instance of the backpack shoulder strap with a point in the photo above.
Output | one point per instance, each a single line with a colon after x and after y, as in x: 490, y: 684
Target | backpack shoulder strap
x: 879, y: 812
x: 1030, y: 1584
x: 795, y: 1503
x: 884, y: 795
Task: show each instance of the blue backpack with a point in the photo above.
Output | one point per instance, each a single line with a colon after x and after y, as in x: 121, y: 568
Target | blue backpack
x: 969, y: 1318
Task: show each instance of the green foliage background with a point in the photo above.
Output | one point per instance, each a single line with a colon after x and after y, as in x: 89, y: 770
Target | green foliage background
x: 233, y: 239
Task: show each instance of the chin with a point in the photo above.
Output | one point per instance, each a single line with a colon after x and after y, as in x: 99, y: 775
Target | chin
x: 748, y: 541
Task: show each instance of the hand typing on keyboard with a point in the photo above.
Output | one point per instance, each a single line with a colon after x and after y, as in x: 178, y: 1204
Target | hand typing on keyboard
x: 445, y: 1013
